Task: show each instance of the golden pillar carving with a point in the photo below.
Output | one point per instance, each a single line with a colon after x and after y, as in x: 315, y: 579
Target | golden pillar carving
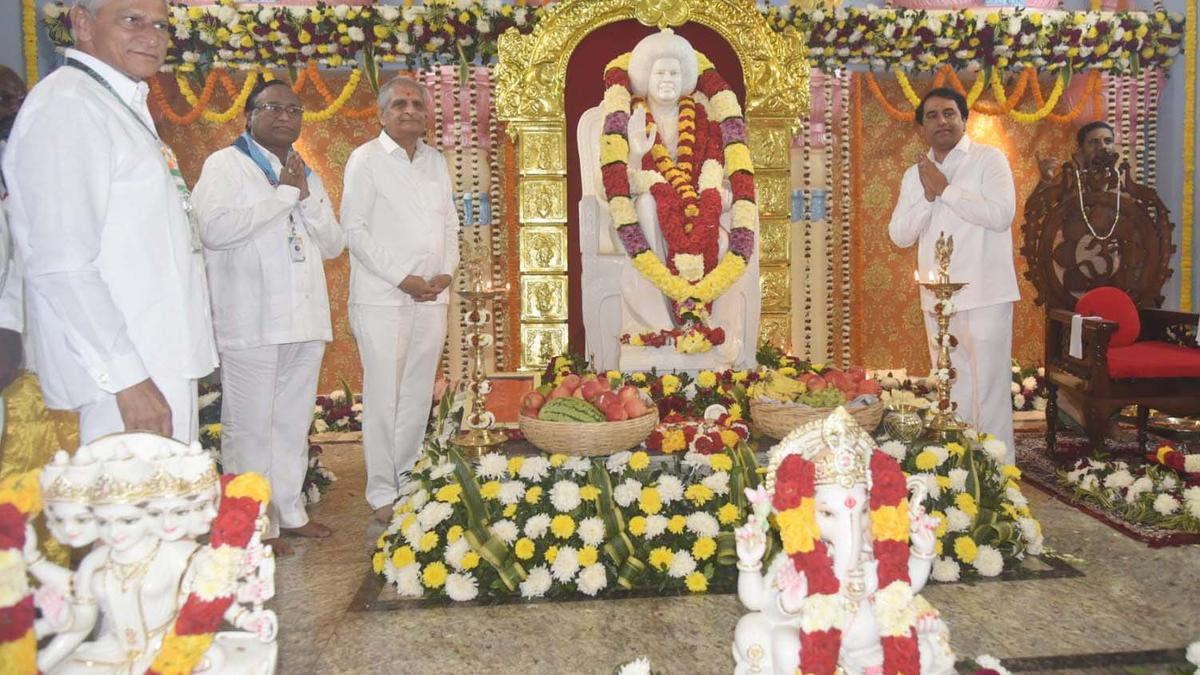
x: 530, y: 81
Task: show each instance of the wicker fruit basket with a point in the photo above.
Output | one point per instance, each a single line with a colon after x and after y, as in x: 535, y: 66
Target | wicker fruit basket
x: 588, y: 439
x: 779, y: 419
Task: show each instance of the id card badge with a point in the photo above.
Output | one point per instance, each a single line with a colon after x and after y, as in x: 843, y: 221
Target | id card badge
x: 193, y: 227
x: 296, y: 247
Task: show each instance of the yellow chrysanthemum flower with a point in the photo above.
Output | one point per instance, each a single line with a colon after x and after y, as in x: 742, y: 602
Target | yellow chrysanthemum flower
x: 698, y: 494
x: 676, y: 524
x: 562, y: 526
x: 510, y: 511
x: 589, y: 493
x: 729, y: 514
x: 729, y: 437
x: 965, y: 549
x: 697, y: 582
x: 706, y: 379
x: 557, y: 459
x: 454, y: 533
x: 661, y: 557
x: 434, y: 575
x: 639, y: 460
x: 927, y: 460
x: 956, y: 449
x: 490, y: 489
x: 588, y: 556
x: 650, y: 502
x: 514, y: 464
x: 428, y: 541
x: 637, y: 526
x: 551, y: 554
x: 966, y: 503
x: 377, y: 561
x: 403, y: 557
x: 533, y: 494
x: 451, y: 493
x: 524, y: 548
x: 670, y: 384
x: 721, y: 462
x: 941, y: 526
x: 704, y: 548
x: 470, y: 560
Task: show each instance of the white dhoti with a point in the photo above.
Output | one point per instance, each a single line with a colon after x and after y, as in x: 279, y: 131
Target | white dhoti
x: 102, y: 417
x: 267, y: 396
x: 983, y: 359
x: 400, y: 347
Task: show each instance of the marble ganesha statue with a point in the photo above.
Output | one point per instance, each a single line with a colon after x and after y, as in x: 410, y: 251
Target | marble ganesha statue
x: 857, y: 550
x: 137, y: 503
x: 661, y: 117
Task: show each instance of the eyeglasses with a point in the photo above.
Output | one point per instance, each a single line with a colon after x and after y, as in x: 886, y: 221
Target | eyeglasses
x: 278, y: 109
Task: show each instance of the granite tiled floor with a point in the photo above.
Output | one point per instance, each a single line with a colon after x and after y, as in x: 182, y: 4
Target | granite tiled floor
x: 1132, y: 609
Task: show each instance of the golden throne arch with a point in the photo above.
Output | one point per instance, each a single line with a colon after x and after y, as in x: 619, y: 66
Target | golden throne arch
x: 531, y: 77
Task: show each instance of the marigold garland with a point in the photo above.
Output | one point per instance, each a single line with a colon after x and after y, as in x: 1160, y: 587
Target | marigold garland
x: 243, y: 496
x: 1189, y: 163
x: 673, y: 183
x: 1007, y: 101
x: 20, y: 501
x: 235, y: 108
x: 29, y: 41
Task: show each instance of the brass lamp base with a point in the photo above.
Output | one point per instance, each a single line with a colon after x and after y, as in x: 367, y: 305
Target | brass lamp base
x: 479, y: 440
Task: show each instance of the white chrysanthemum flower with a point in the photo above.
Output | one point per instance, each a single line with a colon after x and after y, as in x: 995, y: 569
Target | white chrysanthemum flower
x: 931, y: 484
x: 456, y: 551
x: 1166, y: 504
x: 1169, y: 482
x: 639, y: 666
x: 627, y: 493
x: 945, y: 569
x: 957, y: 520
x: 696, y: 461
x: 408, y: 581
x: 670, y: 488
x: 988, y: 561
x: 1029, y: 383
x: 390, y: 572
x: 506, y: 529
x: 655, y: 525
x: 511, y: 492
x: 702, y: 524
x: 441, y: 471
x: 565, y: 496
x: 565, y: 564
x: 355, y: 33
x: 592, y: 579
x: 941, y: 452
x: 413, y: 533
x: 1193, y: 653
x: 1015, y: 388
x: 591, y: 531
x: 894, y: 449
x: 717, y: 482
x: 682, y: 564
x: 493, y: 6
x: 1089, y: 483
x: 1015, y: 496
x: 996, y: 448
x: 577, y: 465
x: 492, y: 465
x: 536, y: 583
x: 418, y: 498
x: 461, y: 587
x: 534, y: 469
x: 433, y: 513
x: 1119, y: 479
x: 537, y: 525
x: 617, y: 461
x: 958, y: 479
x: 1191, y: 497
x: 1074, y: 475
x: 319, y: 426
x: 1138, y: 488
x: 1039, y: 403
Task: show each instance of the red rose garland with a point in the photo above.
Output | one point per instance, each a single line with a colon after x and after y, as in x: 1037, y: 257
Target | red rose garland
x: 20, y: 500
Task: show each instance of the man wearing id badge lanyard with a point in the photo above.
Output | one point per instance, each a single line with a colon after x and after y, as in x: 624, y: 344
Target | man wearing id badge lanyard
x: 402, y: 232
x: 267, y: 225
x: 116, y: 293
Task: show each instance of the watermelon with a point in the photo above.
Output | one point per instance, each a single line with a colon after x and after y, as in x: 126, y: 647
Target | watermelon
x: 570, y: 409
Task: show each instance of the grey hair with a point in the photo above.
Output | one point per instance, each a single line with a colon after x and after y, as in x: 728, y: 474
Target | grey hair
x: 92, y: 6
x: 386, y: 93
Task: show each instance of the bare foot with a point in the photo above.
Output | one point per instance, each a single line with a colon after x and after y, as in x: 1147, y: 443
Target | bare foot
x: 278, y: 547
x: 383, y: 514
x: 311, y: 530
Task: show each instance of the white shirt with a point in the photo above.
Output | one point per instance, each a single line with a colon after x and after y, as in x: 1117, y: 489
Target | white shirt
x: 115, y: 292
x: 12, y: 307
x: 977, y: 209
x: 400, y: 220
x: 260, y: 295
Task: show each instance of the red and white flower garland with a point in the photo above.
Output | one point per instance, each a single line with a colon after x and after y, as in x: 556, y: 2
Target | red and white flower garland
x: 712, y: 136
x: 824, y: 611
x: 20, y: 501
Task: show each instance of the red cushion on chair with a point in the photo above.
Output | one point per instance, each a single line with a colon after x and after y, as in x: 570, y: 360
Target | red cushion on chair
x: 1113, y: 304
x: 1153, y: 359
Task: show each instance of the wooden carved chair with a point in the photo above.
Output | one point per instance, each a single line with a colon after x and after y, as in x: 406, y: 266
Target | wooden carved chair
x: 1098, y: 244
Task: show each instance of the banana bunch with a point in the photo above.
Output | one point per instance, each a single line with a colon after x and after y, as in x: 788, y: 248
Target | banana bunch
x: 780, y: 388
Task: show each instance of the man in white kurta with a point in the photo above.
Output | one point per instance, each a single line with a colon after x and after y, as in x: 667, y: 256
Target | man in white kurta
x: 114, y: 276
x: 966, y: 190
x: 402, y: 231
x: 267, y: 225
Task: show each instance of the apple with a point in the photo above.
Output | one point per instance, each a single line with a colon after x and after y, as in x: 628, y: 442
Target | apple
x: 635, y: 407
x: 615, y: 412
x: 591, y: 389
x: 590, y: 377
x: 532, y: 403
x: 815, y: 383
x: 571, y: 382
x: 840, y: 380
x: 578, y: 393
x: 869, y: 387
x: 857, y: 373
x: 560, y: 392
x: 603, y: 399
x: 629, y: 393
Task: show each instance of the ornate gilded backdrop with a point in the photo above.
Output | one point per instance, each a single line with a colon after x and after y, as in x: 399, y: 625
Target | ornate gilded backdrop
x: 530, y: 85
x: 887, y: 329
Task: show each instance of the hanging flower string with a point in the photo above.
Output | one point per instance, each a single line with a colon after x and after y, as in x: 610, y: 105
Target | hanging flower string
x: 688, y: 204
x: 1026, y: 82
